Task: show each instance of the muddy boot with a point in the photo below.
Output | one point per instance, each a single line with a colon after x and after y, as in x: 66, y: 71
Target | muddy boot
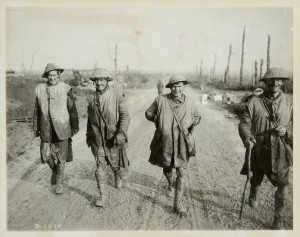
x: 59, y: 178
x: 169, y: 177
x: 253, y: 196
x: 101, y: 187
x: 280, y: 204
x: 178, y: 208
x: 118, y: 179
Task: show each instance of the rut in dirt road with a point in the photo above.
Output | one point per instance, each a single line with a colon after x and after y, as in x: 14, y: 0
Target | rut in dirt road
x: 212, y: 194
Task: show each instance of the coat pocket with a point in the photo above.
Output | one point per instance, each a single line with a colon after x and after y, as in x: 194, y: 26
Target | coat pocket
x: 190, y: 145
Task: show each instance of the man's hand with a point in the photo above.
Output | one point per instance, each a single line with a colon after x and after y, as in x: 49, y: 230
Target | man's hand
x: 120, y: 139
x: 74, y: 131
x: 280, y: 131
x: 249, y: 143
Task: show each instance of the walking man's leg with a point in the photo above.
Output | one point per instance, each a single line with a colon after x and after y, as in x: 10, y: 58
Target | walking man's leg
x: 179, y: 188
x: 100, y: 178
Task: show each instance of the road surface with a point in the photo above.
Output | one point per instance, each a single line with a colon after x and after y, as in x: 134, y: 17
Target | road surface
x: 213, y: 184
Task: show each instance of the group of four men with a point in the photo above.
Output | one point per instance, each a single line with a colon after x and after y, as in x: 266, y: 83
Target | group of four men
x: 266, y: 127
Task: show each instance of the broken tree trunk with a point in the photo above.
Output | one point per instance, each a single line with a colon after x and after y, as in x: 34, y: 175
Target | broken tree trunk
x: 116, y: 59
x: 226, y: 76
x: 242, y: 58
x: 255, y: 74
x: 268, y: 52
x: 260, y: 69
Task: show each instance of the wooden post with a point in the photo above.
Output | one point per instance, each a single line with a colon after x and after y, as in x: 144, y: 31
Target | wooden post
x: 226, y: 76
x: 242, y: 58
x: 268, y: 52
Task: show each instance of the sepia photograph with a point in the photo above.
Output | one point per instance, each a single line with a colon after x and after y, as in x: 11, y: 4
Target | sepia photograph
x: 149, y: 118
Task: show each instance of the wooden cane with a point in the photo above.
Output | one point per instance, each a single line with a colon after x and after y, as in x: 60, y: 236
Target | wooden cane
x: 248, y: 159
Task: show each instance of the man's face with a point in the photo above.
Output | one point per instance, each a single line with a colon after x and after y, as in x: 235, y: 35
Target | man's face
x: 274, y: 85
x: 177, y: 89
x: 101, y: 83
x: 53, y: 78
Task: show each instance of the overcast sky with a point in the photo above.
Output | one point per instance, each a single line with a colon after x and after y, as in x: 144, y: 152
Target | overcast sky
x: 152, y: 39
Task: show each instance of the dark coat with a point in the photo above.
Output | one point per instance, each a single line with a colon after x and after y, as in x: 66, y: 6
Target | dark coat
x: 108, y: 121
x: 270, y: 151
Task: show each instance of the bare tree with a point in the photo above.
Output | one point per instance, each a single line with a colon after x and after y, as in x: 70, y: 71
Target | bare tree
x: 116, y: 59
x: 242, y: 58
x: 255, y: 73
x: 213, y: 71
x: 268, y: 52
x: 226, y: 76
x: 32, y: 60
x: 260, y: 69
x: 201, y: 69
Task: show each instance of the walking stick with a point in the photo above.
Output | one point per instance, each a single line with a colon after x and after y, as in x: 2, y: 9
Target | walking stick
x: 248, y: 159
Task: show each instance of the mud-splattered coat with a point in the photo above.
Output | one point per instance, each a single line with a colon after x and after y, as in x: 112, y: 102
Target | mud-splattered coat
x: 168, y: 147
x: 107, y: 118
x: 257, y: 122
x: 55, y: 114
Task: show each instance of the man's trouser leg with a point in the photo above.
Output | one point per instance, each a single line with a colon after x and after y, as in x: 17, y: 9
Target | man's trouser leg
x: 178, y: 208
x: 53, y: 167
x: 49, y: 159
x: 168, y: 172
x: 281, y: 196
x: 118, y: 178
x: 100, y: 177
x: 255, y: 181
x: 60, y: 176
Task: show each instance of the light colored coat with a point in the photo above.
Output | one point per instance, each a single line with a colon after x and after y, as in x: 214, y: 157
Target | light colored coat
x: 168, y: 142
x: 56, y: 110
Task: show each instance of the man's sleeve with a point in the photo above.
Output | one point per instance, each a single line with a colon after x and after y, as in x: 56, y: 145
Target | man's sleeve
x: 36, y: 117
x: 196, y: 116
x: 289, y: 129
x: 74, y: 121
x: 245, y: 125
x: 124, y: 118
x: 151, y: 112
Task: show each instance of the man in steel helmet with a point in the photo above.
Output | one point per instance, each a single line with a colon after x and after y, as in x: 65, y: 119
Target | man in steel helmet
x: 266, y: 127
x: 55, y: 121
x: 108, y: 122
x: 168, y: 147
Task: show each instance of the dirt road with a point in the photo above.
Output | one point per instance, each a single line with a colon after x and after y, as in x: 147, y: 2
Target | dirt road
x: 212, y: 195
